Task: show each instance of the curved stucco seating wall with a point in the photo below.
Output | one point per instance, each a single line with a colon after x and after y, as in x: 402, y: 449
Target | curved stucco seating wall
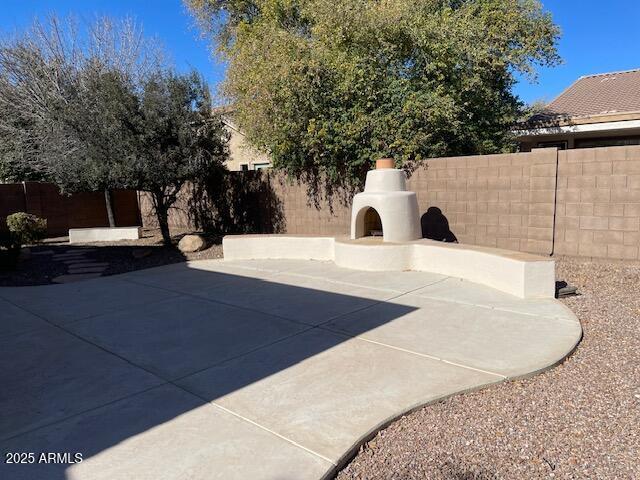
x: 294, y: 247
x: 519, y: 274
x: 386, y: 191
x: 380, y: 257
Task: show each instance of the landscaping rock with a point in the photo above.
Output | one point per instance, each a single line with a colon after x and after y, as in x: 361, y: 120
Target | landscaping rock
x: 192, y: 243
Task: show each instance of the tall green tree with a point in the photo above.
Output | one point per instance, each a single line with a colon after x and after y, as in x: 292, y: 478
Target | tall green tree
x: 327, y: 86
x: 180, y: 139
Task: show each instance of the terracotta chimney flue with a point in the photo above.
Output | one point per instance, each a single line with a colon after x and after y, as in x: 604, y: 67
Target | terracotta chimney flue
x: 385, y: 163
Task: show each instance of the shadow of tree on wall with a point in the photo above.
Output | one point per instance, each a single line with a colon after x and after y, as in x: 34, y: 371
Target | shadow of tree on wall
x: 238, y: 202
x: 324, y: 193
x: 435, y: 226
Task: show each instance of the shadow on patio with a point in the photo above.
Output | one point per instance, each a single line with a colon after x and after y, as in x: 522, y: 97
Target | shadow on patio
x: 91, y: 365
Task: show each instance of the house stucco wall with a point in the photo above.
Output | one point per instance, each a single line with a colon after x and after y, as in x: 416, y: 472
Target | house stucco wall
x: 241, y: 153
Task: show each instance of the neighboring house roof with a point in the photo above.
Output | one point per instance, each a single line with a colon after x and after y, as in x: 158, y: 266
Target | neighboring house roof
x: 604, y: 97
x: 606, y: 93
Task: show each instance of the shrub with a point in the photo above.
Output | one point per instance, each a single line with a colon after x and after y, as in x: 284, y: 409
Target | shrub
x: 26, y: 228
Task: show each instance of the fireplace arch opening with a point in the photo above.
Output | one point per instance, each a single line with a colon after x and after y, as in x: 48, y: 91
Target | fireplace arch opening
x: 369, y: 223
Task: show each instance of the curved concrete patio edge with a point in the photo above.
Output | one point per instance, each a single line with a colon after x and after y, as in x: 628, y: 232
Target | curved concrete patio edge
x: 353, y: 451
x: 521, y: 274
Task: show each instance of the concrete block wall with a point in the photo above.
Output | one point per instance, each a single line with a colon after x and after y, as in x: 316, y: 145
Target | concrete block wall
x: 66, y: 211
x: 583, y: 202
x: 503, y: 201
x: 302, y: 216
x: 599, y: 203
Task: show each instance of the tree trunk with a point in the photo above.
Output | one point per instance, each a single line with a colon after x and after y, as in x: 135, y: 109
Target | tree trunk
x: 109, y: 204
x: 162, y: 213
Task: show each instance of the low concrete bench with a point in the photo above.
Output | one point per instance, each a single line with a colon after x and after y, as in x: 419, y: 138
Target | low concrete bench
x: 103, y: 234
x: 520, y: 274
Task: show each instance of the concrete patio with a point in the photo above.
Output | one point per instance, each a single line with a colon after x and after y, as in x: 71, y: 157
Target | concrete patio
x: 273, y: 369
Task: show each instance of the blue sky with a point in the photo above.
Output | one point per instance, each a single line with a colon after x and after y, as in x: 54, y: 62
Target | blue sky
x: 598, y: 36
x: 167, y: 20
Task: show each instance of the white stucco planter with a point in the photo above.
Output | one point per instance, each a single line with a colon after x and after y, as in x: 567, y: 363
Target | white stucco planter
x: 103, y: 234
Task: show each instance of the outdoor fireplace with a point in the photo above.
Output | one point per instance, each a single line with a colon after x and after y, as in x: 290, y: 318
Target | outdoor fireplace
x: 386, y: 236
x: 386, y: 208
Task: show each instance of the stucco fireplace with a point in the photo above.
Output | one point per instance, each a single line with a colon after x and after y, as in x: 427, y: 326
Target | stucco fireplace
x: 386, y: 208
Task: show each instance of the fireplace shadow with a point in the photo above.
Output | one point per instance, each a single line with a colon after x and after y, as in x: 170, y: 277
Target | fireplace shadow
x: 435, y: 226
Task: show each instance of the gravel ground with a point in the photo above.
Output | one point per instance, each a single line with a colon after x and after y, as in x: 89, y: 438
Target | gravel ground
x: 123, y: 256
x: 580, y: 420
